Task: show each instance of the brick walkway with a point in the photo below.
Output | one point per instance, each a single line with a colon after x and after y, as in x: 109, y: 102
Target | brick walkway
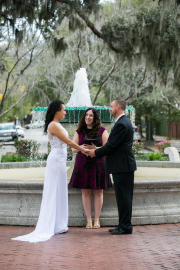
x: 148, y: 248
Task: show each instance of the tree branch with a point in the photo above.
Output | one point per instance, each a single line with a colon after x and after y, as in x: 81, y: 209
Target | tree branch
x: 21, y: 73
x: 5, y: 49
x: 142, y: 79
x: 7, y: 79
x: 104, y: 82
x: 1, y: 115
x: 88, y: 22
x: 169, y: 101
x: 79, y: 44
x: 82, y: 15
x: 92, y: 62
x: 144, y: 75
x: 57, y: 82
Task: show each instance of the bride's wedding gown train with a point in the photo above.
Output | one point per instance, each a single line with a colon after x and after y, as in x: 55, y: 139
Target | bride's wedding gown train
x: 53, y: 217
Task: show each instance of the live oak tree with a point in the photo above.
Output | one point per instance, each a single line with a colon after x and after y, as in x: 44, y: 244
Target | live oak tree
x: 144, y: 37
x: 17, y: 78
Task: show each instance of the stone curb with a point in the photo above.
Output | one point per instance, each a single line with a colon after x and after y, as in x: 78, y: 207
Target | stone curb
x: 22, y: 165
x: 139, y: 183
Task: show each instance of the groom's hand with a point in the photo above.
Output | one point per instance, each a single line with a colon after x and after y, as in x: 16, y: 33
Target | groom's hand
x: 92, y: 153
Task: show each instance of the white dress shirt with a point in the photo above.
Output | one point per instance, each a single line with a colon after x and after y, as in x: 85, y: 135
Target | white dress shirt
x: 117, y: 120
x: 119, y: 117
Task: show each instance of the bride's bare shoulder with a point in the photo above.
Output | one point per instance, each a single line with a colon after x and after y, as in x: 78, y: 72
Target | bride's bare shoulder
x: 53, y: 125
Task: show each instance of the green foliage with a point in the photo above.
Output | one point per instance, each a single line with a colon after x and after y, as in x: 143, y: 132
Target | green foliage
x: 155, y: 156
x: 17, y: 158
x: 145, y: 156
x: 141, y: 156
x: 27, y: 148
x: 150, y: 32
x: 13, y: 158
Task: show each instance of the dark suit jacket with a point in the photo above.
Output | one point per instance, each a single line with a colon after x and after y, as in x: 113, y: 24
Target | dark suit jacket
x: 118, y: 149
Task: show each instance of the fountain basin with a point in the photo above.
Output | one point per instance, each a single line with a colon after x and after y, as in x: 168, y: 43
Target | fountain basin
x: 156, y: 199
x: 36, y: 170
x: 74, y: 114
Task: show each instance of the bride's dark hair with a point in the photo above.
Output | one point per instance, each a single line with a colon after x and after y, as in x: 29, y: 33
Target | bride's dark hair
x: 82, y: 127
x: 54, y: 107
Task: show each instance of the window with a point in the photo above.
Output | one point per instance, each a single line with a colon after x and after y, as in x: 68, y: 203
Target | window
x: 7, y: 127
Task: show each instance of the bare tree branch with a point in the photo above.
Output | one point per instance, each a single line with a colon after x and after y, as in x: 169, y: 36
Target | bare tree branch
x: 144, y: 75
x: 58, y: 83
x: 8, y: 77
x: 9, y: 91
x: 23, y: 96
x: 168, y: 102
x: 103, y: 83
x: 79, y: 44
x: 5, y: 49
x: 92, y: 62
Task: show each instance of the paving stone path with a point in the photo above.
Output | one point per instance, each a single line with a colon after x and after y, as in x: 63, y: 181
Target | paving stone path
x: 153, y: 247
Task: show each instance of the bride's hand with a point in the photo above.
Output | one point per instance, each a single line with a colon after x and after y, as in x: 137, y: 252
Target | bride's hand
x: 86, y: 152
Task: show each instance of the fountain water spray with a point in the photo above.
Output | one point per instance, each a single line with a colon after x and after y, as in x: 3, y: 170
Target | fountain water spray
x: 80, y: 95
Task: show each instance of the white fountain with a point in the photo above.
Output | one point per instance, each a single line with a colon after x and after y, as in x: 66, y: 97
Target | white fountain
x: 80, y: 96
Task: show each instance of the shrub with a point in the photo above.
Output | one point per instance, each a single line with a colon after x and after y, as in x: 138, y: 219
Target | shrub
x: 162, y: 145
x: 137, y: 147
x: 155, y: 156
x: 27, y: 148
x: 13, y: 158
x: 141, y: 156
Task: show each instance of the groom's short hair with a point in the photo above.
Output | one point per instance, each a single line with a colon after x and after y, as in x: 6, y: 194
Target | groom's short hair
x: 122, y: 103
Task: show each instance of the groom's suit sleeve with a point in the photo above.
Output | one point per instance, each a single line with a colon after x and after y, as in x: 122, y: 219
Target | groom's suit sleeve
x: 118, y: 135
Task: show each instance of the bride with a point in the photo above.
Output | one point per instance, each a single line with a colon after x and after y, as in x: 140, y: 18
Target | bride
x: 53, y: 217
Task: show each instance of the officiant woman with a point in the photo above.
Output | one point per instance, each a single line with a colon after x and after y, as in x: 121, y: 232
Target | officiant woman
x: 89, y: 173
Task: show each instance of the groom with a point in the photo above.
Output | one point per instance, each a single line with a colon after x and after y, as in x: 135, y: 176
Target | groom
x: 120, y: 162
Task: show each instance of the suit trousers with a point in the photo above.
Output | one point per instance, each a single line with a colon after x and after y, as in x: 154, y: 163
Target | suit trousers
x: 124, y: 184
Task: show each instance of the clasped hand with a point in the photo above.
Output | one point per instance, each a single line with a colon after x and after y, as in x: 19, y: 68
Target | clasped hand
x: 90, y: 150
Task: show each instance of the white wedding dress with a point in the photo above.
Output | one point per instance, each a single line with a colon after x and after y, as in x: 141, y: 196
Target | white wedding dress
x: 53, y: 217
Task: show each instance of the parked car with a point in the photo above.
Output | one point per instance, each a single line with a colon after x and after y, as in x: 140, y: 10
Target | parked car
x: 8, y: 132
x: 28, y: 126
x: 137, y: 135
x: 20, y: 131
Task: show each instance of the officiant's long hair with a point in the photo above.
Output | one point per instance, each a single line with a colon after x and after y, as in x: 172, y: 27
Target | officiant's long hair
x: 54, y: 107
x: 82, y: 127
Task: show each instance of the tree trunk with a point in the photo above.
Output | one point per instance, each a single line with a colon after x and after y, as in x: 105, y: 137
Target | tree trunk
x: 169, y: 129
x: 149, y: 129
x: 139, y: 123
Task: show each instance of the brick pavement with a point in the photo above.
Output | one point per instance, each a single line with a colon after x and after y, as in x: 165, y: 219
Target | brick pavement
x: 152, y: 247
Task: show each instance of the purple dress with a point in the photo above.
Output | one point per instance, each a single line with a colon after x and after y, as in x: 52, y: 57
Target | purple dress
x: 89, y: 173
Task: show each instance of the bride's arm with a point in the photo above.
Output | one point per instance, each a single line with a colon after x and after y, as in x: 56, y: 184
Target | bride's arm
x: 55, y: 130
x: 76, y: 140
